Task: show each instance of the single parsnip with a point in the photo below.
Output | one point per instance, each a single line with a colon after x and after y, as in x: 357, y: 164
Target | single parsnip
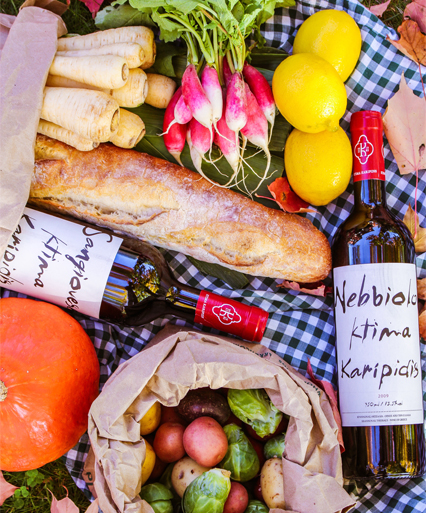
x: 160, y: 90
x: 134, y: 92
x: 138, y: 34
x: 92, y: 114
x: 56, y: 81
x: 132, y: 52
x: 130, y: 130
x: 104, y: 71
x: 66, y: 136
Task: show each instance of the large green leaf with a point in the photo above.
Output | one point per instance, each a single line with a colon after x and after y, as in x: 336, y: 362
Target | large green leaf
x: 234, y: 279
x: 122, y: 16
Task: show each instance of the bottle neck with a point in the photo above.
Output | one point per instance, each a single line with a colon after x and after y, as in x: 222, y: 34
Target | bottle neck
x: 370, y: 194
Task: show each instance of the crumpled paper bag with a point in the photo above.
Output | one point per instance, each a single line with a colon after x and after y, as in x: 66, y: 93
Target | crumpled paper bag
x: 177, y: 361
x: 28, y: 45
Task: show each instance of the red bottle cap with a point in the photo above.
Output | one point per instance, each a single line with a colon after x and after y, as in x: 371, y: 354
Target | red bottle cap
x: 245, y: 321
x: 367, y: 146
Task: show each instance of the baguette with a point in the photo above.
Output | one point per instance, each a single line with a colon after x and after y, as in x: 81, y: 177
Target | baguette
x: 171, y: 207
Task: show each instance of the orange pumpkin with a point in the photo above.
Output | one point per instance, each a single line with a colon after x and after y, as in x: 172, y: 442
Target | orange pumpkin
x: 49, y: 377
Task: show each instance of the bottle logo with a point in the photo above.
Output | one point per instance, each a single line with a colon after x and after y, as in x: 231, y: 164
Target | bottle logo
x: 363, y: 149
x: 226, y: 314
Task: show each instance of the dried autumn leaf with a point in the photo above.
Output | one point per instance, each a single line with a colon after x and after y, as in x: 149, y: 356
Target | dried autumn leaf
x: 65, y: 505
x: 6, y: 489
x: 379, y: 9
x: 404, y: 123
x: 416, y: 10
x: 412, y: 42
x: 287, y: 199
x: 421, y: 288
x: 411, y: 221
x: 314, y: 289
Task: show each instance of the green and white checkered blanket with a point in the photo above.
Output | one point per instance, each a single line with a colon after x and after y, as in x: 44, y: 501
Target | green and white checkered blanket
x: 301, y: 326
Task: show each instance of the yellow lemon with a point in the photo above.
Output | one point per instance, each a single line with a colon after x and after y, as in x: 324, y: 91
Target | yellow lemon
x: 332, y: 35
x: 151, y: 420
x: 318, y: 166
x: 149, y: 463
x: 309, y: 93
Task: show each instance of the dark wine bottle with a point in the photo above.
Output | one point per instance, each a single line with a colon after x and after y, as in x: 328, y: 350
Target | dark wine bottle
x: 91, y: 271
x: 377, y: 325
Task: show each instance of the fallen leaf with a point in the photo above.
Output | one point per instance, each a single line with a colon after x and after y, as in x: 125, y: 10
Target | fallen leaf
x: 93, y: 508
x: 379, y: 9
x: 422, y: 323
x: 411, y: 221
x: 65, y: 505
x: 315, y: 289
x: 93, y: 5
x: 287, y: 199
x: 404, y: 123
x: 412, y: 42
x: 421, y: 288
x: 416, y: 10
x: 6, y: 489
x: 332, y: 395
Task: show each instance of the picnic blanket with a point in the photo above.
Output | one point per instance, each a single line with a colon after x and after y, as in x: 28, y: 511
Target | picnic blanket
x: 301, y: 326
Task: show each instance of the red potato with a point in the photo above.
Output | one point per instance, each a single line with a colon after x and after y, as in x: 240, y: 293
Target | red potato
x: 205, y: 441
x: 170, y: 414
x: 157, y: 471
x: 168, y: 442
x: 258, y: 447
x: 257, y: 489
x: 237, y: 500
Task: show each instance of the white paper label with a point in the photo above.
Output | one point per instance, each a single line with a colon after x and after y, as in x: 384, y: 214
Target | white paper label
x: 378, y: 344
x: 59, y: 261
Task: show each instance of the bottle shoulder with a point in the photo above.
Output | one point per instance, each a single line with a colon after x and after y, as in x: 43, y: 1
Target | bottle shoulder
x: 372, y: 235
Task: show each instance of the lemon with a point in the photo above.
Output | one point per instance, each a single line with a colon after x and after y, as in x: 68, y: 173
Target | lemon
x: 149, y: 462
x: 332, y: 35
x: 151, y: 420
x: 309, y: 93
x: 318, y: 166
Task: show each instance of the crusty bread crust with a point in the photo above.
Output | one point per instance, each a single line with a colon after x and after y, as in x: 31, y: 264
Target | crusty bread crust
x: 174, y: 208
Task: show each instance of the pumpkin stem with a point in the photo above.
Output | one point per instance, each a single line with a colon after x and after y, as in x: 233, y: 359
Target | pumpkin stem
x: 3, y: 391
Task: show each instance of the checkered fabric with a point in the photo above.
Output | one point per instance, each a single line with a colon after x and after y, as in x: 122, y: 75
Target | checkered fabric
x: 300, y: 326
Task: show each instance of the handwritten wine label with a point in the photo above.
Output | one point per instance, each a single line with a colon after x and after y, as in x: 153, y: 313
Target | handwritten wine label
x: 59, y: 261
x: 378, y: 344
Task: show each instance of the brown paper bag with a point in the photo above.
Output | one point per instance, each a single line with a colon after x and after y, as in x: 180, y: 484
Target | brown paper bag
x: 30, y: 43
x: 177, y: 361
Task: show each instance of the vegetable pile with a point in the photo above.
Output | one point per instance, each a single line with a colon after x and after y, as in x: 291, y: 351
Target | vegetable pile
x: 218, y: 451
x: 92, y: 82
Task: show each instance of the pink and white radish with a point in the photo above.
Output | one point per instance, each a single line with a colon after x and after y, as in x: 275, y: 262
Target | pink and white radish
x: 261, y: 89
x: 226, y: 71
x: 256, y: 128
x: 236, y: 103
x: 199, y: 142
x: 174, y: 135
x: 183, y: 113
x: 213, y: 90
x: 195, y: 97
x: 228, y: 142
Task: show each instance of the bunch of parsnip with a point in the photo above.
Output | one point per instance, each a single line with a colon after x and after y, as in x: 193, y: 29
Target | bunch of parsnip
x: 91, y: 82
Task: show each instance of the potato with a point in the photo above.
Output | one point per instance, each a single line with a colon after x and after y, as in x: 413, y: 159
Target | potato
x: 204, y: 402
x: 272, y: 484
x: 184, y: 472
x: 168, y: 442
x: 237, y: 500
x: 205, y: 441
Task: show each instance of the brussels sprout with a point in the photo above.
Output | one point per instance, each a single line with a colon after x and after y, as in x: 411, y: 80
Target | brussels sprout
x: 158, y: 496
x: 240, y: 459
x: 256, y: 507
x: 208, y: 492
x: 256, y: 409
x: 274, y: 447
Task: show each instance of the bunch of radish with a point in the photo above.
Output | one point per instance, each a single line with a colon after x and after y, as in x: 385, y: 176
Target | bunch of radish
x: 220, y: 109
x: 223, y: 100
x: 93, y: 79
